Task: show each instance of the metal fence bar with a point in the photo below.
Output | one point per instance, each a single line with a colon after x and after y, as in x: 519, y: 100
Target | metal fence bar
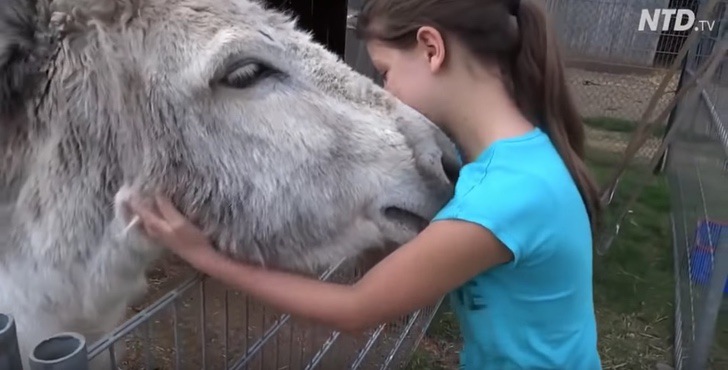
x: 367, y: 346
x: 108, y: 340
x: 696, y: 168
x: 678, y: 320
x: 65, y: 351
x: 9, y: 351
x: 203, y: 337
x: 258, y: 345
x: 323, y: 350
x: 719, y: 126
x: 706, y: 325
x: 428, y: 321
x: 397, y: 344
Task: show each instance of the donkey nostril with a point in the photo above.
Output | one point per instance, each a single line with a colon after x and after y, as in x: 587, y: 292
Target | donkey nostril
x: 407, y: 218
x: 451, y: 168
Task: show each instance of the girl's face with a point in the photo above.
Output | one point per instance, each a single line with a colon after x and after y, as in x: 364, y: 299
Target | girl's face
x: 407, y: 74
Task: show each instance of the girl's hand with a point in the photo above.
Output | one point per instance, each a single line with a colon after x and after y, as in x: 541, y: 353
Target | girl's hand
x: 171, y: 229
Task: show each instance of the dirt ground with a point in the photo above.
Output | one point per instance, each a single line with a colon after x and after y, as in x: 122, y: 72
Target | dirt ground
x: 623, y: 96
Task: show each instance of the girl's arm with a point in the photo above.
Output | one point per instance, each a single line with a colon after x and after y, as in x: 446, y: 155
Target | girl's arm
x: 441, y: 258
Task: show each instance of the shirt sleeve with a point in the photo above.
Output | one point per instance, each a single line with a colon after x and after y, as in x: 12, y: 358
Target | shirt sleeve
x: 515, y: 207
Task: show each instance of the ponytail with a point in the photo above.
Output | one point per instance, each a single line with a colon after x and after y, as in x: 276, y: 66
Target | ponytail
x: 528, y: 53
x: 542, y: 93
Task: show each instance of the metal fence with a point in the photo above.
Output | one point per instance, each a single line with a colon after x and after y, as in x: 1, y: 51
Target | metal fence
x: 201, y: 325
x: 613, y: 68
x: 697, y: 172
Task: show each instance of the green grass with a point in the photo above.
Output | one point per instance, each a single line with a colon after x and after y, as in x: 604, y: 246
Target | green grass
x: 633, y: 284
x: 633, y: 281
x: 617, y: 125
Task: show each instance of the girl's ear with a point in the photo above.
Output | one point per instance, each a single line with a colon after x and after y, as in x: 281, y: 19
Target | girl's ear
x: 433, y: 45
x: 21, y: 54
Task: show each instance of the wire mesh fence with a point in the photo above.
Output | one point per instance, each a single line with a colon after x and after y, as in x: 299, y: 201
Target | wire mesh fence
x: 202, y: 325
x: 614, y: 71
x: 697, y: 171
x: 613, y: 68
x: 623, y: 78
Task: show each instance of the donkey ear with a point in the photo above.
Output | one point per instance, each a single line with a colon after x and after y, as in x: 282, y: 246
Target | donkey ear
x: 19, y: 49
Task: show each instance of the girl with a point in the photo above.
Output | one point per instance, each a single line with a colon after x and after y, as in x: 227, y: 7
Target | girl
x: 514, y: 245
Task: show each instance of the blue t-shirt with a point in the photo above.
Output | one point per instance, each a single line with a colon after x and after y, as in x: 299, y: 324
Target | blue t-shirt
x: 537, y: 311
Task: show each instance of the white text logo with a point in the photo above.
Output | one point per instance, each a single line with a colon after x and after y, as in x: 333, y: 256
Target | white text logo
x: 684, y: 20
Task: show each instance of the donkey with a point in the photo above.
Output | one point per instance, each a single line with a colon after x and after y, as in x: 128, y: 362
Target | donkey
x: 274, y: 146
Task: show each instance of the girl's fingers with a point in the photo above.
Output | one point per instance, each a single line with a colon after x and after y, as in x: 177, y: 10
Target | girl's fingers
x: 169, y: 211
x: 150, y: 220
x: 153, y: 230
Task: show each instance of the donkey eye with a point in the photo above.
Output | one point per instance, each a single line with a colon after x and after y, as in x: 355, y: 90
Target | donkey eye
x: 246, y: 75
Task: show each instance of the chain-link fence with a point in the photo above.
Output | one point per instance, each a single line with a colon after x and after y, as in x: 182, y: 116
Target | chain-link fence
x: 614, y: 68
x: 621, y: 77
x: 697, y: 169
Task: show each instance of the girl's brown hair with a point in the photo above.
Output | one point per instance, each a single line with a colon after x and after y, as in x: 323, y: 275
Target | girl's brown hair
x: 516, y: 35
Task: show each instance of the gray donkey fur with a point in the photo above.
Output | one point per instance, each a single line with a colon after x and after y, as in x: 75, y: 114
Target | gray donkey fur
x: 270, y: 143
